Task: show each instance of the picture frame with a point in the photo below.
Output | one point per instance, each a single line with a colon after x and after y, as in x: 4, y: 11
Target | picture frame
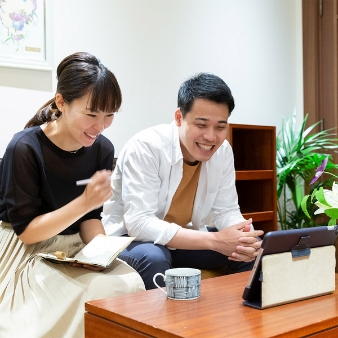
x: 26, y: 34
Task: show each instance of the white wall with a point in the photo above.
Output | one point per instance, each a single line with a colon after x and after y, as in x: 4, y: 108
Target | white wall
x: 152, y: 46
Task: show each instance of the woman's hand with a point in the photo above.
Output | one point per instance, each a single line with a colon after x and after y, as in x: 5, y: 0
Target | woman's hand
x: 98, y: 190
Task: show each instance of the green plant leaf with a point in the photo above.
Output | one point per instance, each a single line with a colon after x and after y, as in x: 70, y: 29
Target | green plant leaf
x: 321, y: 198
x: 298, y: 154
x: 303, y: 205
x: 331, y: 212
x: 332, y: 221
x: 313, y: 195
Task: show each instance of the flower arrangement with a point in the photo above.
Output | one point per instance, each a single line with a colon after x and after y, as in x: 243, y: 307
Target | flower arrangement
x: 326, y: 200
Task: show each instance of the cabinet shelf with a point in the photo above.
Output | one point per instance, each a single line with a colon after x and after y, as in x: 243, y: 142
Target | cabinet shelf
x: 260, y: 216
x: 243, y: 175
x: 254, y: 149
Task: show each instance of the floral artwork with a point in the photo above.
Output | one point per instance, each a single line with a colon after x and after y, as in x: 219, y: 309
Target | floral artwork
x: 22, y: 32
x: 16, y: 16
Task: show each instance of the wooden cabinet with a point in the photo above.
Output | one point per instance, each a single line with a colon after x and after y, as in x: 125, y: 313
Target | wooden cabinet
x: 254, y: 150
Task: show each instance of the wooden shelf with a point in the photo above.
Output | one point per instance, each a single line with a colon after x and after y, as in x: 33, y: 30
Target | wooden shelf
x: 254, y: 149
x: 248, y: 175
x: 260, y: 216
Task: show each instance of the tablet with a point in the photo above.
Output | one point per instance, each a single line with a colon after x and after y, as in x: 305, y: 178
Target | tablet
x: 297, y: 241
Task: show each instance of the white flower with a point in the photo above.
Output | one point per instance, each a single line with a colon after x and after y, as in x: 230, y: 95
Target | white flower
x: 331, y: 197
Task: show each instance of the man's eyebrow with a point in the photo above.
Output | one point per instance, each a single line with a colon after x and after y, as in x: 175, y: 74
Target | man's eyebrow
x: 206, y: 120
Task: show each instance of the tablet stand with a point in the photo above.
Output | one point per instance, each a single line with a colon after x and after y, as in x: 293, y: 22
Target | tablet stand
x: 286, y: 277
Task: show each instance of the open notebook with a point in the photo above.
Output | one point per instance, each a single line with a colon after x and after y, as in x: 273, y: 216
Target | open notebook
x: 100, y: 251
x: 279, y: 265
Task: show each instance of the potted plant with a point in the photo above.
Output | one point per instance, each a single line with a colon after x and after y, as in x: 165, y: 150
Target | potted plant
x: 299, y: 154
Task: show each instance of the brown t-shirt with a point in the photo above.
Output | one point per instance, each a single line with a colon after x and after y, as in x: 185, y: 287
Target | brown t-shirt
x: 182, y: 204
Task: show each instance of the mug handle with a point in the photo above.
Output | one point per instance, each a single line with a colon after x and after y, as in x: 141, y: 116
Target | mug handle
x: 154, y: 280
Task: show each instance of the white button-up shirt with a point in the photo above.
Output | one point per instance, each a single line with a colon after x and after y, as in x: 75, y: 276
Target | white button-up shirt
x: 147, y: 174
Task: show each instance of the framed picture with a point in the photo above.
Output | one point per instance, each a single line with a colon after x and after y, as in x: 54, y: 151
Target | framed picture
x: 26, y: 34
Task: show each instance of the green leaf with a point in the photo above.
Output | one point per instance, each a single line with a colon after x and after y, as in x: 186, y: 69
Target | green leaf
x: 332, y: 212
x: 332, y: 221
x: 320, y: 197
x: 303, y: 205
x: 299, y: 151
x: 313, y: 195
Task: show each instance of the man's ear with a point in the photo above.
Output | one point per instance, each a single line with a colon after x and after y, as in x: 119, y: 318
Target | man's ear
x: 178, y: 117
x: 59, y: 101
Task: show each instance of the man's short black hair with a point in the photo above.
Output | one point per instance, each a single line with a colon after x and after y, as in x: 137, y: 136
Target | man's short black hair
x: 204, y: 86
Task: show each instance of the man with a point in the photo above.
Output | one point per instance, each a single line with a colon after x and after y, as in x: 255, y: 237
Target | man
x: 172, y: 181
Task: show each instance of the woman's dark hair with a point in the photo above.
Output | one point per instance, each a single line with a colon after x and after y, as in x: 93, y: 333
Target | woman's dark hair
x: 204, y: 86
x: 77, y: 75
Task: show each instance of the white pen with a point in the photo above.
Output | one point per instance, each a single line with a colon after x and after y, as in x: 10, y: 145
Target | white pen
x: 87, y: 180
x: 83, y: 182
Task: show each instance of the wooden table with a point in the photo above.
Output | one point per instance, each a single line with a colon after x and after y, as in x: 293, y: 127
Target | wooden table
x: 217, y: 313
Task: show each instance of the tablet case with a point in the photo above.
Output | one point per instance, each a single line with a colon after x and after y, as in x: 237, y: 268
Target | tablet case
x: 305, y: 270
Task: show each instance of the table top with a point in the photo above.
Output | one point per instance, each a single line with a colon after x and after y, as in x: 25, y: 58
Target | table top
x: 218, y: 312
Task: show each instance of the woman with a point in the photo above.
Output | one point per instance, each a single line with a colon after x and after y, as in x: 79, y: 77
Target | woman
x: 43, y: 210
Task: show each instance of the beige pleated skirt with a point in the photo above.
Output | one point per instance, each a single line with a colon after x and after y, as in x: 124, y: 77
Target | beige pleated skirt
x: 39, y: 298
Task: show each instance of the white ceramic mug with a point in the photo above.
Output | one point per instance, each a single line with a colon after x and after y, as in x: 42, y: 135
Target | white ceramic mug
x: 181, y: 283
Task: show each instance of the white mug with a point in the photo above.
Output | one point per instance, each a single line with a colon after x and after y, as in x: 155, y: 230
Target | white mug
x: 181, y: 283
